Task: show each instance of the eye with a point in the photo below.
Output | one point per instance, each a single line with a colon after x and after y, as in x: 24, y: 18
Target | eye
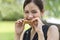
x: 33, y: 11
x: 26, y: 11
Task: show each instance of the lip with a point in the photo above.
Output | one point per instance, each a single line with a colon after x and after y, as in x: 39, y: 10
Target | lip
x: 28, y: 19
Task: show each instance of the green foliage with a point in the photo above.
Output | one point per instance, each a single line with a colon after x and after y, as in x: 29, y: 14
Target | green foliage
x: 12, y: 16
x: 53, y: 6
x: 0, y: 16
x: 11, y: 12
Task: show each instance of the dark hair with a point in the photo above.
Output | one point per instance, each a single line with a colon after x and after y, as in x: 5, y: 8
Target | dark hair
x: 39, y: 3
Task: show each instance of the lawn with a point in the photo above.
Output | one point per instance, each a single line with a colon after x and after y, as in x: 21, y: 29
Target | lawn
x: 7, y: 30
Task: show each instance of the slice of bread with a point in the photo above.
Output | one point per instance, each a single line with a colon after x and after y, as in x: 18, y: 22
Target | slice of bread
x: 27, y: 21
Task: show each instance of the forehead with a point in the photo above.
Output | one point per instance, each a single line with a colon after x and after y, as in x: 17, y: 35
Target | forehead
x: 31, y: 6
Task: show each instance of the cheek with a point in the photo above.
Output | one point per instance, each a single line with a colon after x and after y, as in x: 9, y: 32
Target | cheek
x: 25, y: 15
x: 37, y: 15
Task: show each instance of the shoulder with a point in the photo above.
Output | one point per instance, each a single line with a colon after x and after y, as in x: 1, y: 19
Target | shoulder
x: 53, y: 28
x: 50, y: 28
x: 53, y: 33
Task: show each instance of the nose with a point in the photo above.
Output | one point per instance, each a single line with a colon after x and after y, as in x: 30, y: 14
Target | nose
x: 30, y: 17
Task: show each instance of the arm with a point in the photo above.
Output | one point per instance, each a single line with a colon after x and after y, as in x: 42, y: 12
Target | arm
x: 40, y: 35
x: 17, y: 37
x: 53, y: 33
x: 38, y: 28
x: 21, y: 36
x: 19, y: 27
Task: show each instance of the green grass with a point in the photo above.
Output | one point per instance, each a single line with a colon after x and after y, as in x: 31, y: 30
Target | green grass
x: 7, y: 30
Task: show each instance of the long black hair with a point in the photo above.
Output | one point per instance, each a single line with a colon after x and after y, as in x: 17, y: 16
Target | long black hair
x: 39, y: 3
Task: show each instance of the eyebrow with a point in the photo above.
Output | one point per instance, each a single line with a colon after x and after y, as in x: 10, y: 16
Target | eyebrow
x: 33, y: 10
x: 25, y: 10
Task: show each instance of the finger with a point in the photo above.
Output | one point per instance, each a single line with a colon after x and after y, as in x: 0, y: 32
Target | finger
x: 35, y: 19
x: 20, y: 21
x: 34, y: 26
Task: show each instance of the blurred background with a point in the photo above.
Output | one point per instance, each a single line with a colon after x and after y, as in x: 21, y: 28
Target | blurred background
x: 12, y: 10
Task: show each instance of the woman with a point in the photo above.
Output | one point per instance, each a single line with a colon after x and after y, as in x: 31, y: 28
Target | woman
x: 34, y: 10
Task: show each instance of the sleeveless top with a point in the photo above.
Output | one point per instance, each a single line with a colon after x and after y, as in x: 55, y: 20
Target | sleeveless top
x: 27, y: 34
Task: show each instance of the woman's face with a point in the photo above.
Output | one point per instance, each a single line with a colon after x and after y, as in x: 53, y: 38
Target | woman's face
x: 32, y: 11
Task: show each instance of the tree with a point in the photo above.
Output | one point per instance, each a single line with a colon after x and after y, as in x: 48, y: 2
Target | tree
x: 54, y: 7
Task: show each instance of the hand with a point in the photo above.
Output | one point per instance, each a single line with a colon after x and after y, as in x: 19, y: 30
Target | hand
x: 37, y: 24
x: 19, y: 26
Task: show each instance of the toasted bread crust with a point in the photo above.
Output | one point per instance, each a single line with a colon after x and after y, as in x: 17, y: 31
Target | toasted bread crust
x: 27, y: 21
